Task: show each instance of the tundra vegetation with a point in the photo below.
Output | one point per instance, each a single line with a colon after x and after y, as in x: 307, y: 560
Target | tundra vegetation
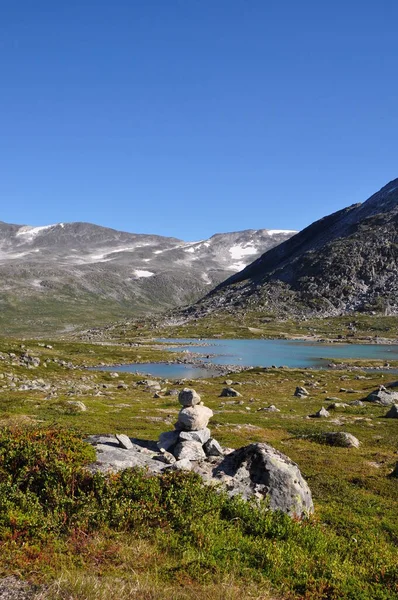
x: 78, y: 535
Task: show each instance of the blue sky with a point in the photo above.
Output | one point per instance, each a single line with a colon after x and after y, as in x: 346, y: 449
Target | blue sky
x: 191, y: 117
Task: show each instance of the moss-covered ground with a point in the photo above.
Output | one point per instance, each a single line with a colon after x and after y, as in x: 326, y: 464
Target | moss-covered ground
x: 131, y: 537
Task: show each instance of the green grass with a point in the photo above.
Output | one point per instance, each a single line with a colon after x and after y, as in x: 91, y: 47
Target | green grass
x: 170, y: 537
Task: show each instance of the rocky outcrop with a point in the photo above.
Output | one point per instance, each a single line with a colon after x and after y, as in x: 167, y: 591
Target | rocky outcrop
x: 255, y: 470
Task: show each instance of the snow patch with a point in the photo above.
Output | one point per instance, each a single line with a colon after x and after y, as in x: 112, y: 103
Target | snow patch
x: 191, y: 250
x: 141, y: 273
x: 237, y: 266
x: 278, y: 231
x: 392, y: 190
x: 30, y: 233
x: 239, y: 251
x: 206, y: 278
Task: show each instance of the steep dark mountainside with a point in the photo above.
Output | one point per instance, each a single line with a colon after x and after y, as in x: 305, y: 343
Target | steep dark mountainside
x: 76, y: 273
x: 347, y: 261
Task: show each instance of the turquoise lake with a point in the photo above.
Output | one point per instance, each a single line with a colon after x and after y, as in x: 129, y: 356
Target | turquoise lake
x: 263, y: 353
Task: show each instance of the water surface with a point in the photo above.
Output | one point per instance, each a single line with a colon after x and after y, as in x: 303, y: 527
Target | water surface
x: 257, y: 353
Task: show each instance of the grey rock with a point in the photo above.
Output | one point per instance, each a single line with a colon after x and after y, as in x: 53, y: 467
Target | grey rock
x: 194, y: 418
x: 111, y: 458
x: 181, y: 465
x: 213, y: 448
x: 341, y: 439
x: 166, y: 457
x: 262, y: 471
x: 393, y: 412
x: 229, y: 392
x: 394, y: 473
x: 228, y: 382
x: 270, y: 408
x: 336, y: 405
x: 321, y: 414
x: 383, y: 397
x: 76, y: 405
x: 200, y: 436
x: 255, y: 470
x: 356, y: 403
x: 172, y: 392
x: 168, y: 439
x: 190, y: 450
x: 189, y: 397
x: 300, y: 392
x: 124, y: 441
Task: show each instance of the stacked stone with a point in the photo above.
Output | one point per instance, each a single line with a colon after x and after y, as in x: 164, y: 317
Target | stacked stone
x: 191, y: 438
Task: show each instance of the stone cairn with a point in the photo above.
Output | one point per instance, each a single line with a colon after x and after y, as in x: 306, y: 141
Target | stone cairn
x: 191, y: 438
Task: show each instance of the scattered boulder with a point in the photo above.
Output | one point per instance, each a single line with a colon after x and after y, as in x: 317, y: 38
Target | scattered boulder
x: 336, y: 405
x: 189, y: 397
x: 341, y: 439
x: 124, y: 441
x: 357, y: 403
x: 76, y: 405
x: 383, y: 396
x: 301, y: 392
x: 394, y: 473
x: 393, y: 412
x: 262, y: 471
x: 270, y: 408
x: 229, y: 392
x: 321, y: 414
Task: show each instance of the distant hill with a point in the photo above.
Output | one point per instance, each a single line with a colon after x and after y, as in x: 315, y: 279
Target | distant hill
x: 78, y: 273
x: 345, y: 262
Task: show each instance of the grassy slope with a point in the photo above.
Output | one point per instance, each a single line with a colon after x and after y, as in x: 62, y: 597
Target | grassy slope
x: 347, y: 551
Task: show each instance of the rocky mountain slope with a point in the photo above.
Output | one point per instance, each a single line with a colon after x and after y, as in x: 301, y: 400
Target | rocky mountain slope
x: 74, y: 271
x: 347, y: 261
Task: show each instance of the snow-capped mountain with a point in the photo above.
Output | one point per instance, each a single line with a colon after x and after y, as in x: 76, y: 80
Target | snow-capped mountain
x: 78, y: 264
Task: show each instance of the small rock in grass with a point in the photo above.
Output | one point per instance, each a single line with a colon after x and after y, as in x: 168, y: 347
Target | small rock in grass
x: 270, y: 408
x: 357, y: 403
x: 124, y: 441
x: 393, y: 412
x: 341, y: 439
x: 229, y: 392
x: 76, y: 405
x: 301, y: 392
x: 394, y: 473
x: 321, y: 414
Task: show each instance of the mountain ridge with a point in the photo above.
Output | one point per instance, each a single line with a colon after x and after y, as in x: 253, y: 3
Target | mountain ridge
x: 76, y: 268
x: 343, y: 262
